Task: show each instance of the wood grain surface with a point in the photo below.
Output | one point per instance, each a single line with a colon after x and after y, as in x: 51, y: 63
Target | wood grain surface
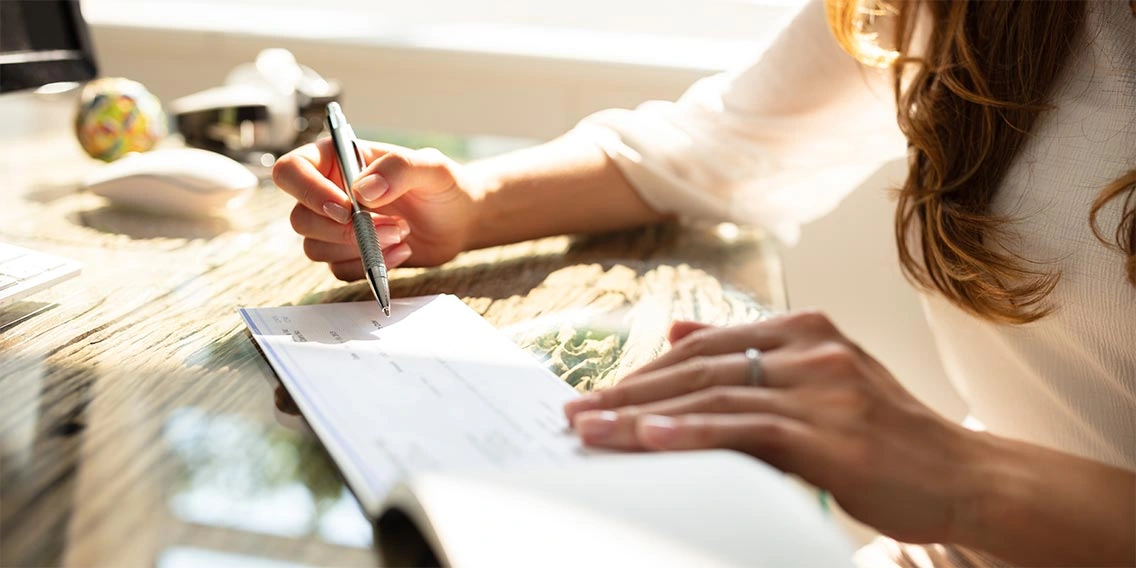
x: 137, y: 418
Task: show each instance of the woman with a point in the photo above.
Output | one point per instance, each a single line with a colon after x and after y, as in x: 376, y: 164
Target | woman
x: 1016, y: 221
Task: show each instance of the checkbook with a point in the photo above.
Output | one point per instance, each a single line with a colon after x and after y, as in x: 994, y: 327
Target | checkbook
x: 454, y: 441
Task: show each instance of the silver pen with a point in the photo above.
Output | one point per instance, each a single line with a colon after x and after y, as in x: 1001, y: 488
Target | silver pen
x: 350, y: 165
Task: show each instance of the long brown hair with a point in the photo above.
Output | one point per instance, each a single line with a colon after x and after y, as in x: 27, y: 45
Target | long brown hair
x: 966, y: 104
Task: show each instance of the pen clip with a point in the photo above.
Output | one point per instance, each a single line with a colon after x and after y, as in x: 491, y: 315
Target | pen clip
x: 358, y: 155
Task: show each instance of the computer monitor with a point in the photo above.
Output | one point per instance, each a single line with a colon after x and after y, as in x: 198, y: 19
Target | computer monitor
x: 42, y: 42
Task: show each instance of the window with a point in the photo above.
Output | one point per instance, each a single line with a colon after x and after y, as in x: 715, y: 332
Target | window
x: 512, y: 68
x: 708, y: 34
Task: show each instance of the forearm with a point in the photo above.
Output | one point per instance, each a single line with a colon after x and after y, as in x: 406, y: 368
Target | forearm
x: 1035, y: 506
x: 567, y: 185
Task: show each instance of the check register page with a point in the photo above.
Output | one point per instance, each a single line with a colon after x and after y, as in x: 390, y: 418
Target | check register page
x: 434, y: 387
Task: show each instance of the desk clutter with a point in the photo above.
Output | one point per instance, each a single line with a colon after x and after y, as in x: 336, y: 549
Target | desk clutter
x: 117, y: 116
x: 175, y: 181
x: 25, y: 271
x: 264, y: 109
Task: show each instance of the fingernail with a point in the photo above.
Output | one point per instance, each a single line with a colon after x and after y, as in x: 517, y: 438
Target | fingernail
x: 658, y: 430
x: 403, y: 229
x: 586, y: 402
x: 371, y: 187
x: 595, y: 426
x: 388, y: 234
x: 336, y: 211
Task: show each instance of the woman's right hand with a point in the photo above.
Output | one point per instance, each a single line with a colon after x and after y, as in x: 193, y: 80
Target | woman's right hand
x: 422, y: 211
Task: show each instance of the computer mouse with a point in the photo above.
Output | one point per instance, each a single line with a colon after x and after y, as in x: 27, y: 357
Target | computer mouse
x: 175, y: 181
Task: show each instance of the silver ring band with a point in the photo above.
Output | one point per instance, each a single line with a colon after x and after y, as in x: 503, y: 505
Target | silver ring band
x: 755, y: 375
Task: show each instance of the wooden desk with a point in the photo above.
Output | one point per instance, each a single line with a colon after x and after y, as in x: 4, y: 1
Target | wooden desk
x: 137, y: 422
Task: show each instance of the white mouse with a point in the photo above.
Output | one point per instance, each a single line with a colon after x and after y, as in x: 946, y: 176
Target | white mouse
x: 178, y: 181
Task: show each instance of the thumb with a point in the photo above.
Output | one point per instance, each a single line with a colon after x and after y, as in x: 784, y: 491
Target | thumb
x: 682, y: 328
x: 396, y: 172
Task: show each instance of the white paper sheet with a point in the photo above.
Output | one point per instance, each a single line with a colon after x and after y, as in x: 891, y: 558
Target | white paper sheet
x: 434, y: 387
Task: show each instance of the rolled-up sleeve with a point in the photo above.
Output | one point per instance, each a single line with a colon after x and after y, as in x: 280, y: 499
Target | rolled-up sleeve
x: 775, y: 144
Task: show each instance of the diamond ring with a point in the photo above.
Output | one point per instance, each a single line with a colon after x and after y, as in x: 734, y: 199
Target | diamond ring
x: 755, y: 376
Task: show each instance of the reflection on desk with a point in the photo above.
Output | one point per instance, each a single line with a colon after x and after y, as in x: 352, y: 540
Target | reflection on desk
x: 137, y: 423
x: 231, y: 473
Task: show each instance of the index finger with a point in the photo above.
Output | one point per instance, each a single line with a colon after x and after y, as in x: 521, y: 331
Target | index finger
x: 709, y: 341
x: 310, y: 174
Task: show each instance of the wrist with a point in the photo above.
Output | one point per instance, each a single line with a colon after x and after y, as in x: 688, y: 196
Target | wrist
x: 995, y: 485
x: 1026, y: 504
x: 480, y: 180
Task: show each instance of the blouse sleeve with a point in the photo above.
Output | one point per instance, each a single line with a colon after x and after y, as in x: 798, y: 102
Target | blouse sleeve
x: 775, y: 144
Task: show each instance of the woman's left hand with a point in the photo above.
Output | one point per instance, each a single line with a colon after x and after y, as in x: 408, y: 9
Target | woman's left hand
x: 825, y: 410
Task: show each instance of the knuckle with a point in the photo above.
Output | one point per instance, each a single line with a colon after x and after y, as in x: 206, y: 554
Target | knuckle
x: 699, y: 372
x: 860, y: 451
x: 701, y: 433
x: 699, y: 340
x: 813, y: 321
x: 834, y: 358
x: 297, y: 218
x: 305, y: 194
x: 693, y: 344
x: 754, y: 331
x: 435, y: 160
x: 856, y: 348
x: 860, y: 400
x: 770, y: 435
x: 311, y: 249
x: 613, y: 397
x: 394, y: 162
x: 849, y: 403
x: 431, y: 156
x: 349, y: 274
x: 720, y: 399
x: 282, y: 168
x: 629, y: 412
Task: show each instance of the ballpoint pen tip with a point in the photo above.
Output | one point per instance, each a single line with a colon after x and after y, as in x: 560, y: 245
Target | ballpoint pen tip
x: 387, y: 311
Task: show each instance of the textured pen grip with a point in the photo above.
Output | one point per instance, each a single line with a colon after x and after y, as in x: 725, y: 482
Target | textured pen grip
x: 369, y: 248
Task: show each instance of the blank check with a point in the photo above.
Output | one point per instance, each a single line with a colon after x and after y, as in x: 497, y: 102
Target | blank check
x: 434, y: 387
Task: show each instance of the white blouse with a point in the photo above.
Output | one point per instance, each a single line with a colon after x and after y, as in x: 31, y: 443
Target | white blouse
x: 782, y: 141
